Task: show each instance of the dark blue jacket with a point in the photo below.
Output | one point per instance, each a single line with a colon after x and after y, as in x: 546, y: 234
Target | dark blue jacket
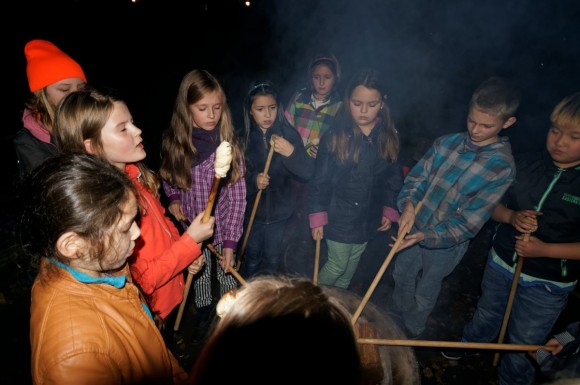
x: 276, y: 202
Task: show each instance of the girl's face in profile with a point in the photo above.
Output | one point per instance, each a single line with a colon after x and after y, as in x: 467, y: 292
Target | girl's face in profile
x: 121, y: 139
x: 207, y: 112
x: 365, y: 104
x: 264, y: 110
x: 323, y: 81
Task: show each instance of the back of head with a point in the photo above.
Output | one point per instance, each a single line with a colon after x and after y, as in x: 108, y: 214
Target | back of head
x: 496, y: 96
x: 81, y: 116
x: 567, y: 112
x: 288, y: 326
x: 47, y: 64
x: 70, y: 192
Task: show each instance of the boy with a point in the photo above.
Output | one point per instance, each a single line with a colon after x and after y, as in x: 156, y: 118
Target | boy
x: 544, y: 199
x: 460, y: 179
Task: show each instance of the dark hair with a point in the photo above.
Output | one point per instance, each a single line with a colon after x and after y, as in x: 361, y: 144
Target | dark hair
x: 259, y: 88
x: 345, y: 127
x: 74, y: 192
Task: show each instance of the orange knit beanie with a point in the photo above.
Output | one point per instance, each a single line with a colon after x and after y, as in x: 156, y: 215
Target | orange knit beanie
x: 47, y: 64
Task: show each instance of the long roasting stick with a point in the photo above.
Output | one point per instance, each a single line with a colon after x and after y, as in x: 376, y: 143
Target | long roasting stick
x: 255, y: 207
x: 379, y: 275
x: 222, y: 166
x: 316, y: 262
x: 230, y: 268
x: 510, y: 302
x: 454, y: 344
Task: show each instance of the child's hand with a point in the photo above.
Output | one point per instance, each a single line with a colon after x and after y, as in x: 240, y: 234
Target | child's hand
x: 407, y: 219
x: 409, y: 240
x: 228, y: 259
x: 318, y: 233
x: 525, y: 221
x: 201, y: 231
x: 262, y: 181
x: 175, y: 210
x: 531, y: 248
x: 282, y: 146
x: 385, y: 224
x: 196, y: 265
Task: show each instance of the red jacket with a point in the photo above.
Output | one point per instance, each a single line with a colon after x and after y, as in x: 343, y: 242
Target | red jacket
x: 161, y: 254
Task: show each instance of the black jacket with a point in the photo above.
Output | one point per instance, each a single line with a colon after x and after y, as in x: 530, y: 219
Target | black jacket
x: 353, y: 195
x: 559, y: 223
x: 276, y: 202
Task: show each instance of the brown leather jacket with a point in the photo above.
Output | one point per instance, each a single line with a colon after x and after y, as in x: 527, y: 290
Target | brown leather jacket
x: 95, y: 333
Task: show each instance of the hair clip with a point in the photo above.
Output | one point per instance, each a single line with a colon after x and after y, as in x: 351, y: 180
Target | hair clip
x: 262, y: 84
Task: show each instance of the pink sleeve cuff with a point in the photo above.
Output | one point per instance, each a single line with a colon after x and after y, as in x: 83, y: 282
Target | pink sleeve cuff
x: 391, y: 214
x: 318, y: 219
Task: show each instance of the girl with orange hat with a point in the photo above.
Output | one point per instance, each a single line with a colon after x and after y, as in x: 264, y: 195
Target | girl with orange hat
x: 52, y: 74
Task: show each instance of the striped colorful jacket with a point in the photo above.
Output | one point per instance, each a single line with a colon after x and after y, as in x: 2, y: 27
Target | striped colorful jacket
x: 311, y: 123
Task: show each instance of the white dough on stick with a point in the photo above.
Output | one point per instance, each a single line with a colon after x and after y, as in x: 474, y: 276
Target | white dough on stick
x: 223, y: 159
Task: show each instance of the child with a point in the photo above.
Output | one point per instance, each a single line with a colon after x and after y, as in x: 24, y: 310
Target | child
x: 313, y: 109
x: 201, y: 120
x: 460, y: 179
x: 277, y: 317
x: 100, y: 124
x: 89, y: 323
x: 265, y: 128
x: 52, y: 74
x: 545, y: 201
x: 564, y: 361
x: 357, y: 179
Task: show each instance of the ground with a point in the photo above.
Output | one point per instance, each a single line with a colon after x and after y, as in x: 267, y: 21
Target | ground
x: 455, y: 306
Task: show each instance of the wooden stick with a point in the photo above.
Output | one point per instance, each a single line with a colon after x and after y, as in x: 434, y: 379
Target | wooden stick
x: 508, y: 310
x: 205, y: 218
x: 254, y: 209
x: 454, y: 344
x: 379, y: 275
x: 316, y: 262
x: 230, y: 268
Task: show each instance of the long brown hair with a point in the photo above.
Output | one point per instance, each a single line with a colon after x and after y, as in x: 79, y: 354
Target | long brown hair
x: 345, y: 128
x: 177, y: 148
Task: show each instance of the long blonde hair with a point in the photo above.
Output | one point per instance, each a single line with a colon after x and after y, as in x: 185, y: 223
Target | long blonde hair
x: 177, y: 148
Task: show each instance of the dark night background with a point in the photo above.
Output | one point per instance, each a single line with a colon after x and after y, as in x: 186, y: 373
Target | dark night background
x: 432, y: 53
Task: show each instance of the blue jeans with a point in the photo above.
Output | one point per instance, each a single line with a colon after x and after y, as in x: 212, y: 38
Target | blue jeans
x: 264, y: 253
x: 534, y: 311
x: 343, y: 259
x: 418, y: 275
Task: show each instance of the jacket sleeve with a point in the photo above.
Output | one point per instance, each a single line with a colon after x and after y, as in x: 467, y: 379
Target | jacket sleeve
x: 152, y: 273
x: 171, y: 192
x: 291, y: 110
x: 85, y: 368
x: 234, y: 222
x: 568, y: 359
x: 394, y: 183
x: 299, y: 162
x: 319, y: 187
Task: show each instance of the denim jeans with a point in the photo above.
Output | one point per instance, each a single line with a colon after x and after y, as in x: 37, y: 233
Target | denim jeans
x: 534, y: 311
x: 264, y: 253
x: 343, y: 259
x: 418, y: 275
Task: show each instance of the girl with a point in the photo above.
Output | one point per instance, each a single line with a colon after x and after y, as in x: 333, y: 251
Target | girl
x: 52, y: 75
x: 313, y: 109
x: 356, y: 175
x: 88, y: 322
x: 265, y: 126
x: 100, y: 124
x: 201, y: 120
